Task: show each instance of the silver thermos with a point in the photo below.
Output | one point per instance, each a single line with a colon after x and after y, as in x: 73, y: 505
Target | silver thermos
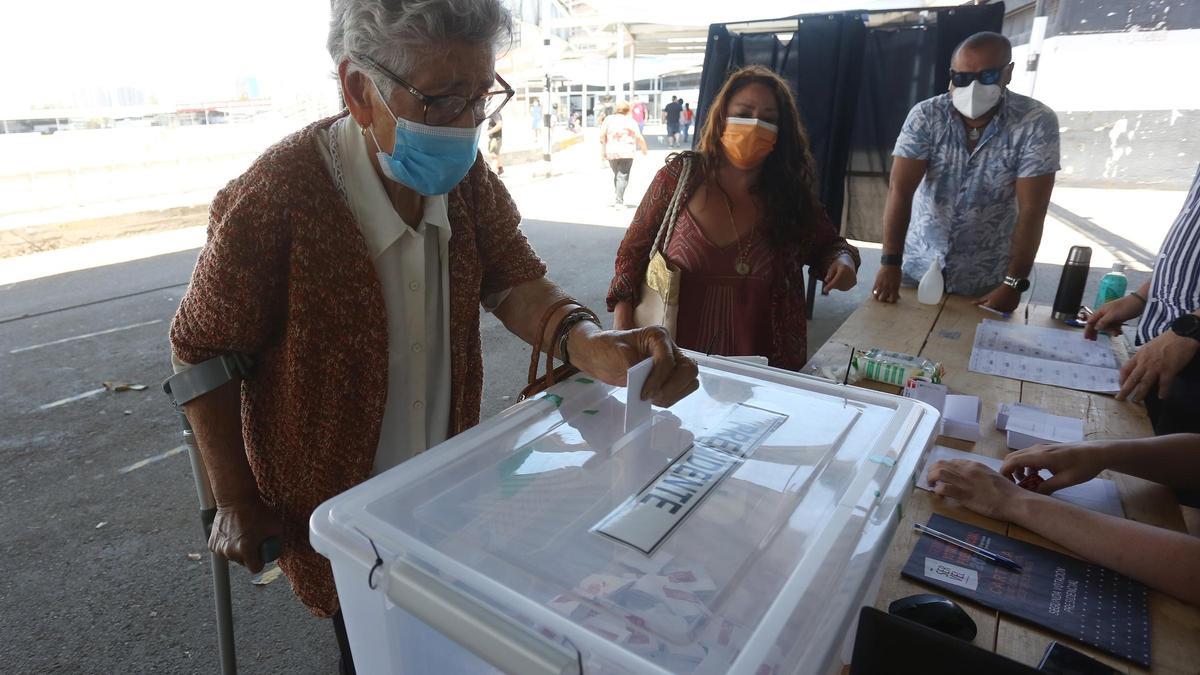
x: 1070, y: 285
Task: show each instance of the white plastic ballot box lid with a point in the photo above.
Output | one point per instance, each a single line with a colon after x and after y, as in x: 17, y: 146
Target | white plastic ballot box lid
x: 735, y: 531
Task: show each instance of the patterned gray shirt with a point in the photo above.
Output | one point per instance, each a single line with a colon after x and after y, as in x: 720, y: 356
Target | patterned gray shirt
x: 965, y: 210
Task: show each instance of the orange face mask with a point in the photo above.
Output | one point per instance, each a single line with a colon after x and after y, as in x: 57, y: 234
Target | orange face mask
x: 748, y: 141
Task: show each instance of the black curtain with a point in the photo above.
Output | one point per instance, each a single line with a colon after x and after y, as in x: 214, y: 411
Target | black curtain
x: 822, y: 63
x: 827, y: 57
x: 899, y: 67
x: 958, y: 24
x: 718, y: 55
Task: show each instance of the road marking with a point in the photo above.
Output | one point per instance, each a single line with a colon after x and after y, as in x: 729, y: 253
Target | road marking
x: 69, y: 399
x: 85, y: 336
x: 150, y: 460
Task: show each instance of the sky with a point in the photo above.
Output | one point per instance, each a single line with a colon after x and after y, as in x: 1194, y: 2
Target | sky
x: 181, y: 51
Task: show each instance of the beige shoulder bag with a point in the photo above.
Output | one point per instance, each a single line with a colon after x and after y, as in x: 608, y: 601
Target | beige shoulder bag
x: 659, y: 301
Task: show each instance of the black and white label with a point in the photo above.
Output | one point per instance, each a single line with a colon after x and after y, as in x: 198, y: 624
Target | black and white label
x: 645, y: 520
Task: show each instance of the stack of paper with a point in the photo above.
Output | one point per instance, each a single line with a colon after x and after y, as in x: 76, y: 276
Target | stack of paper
x: 1029, y: 425
x: 1097, y: 494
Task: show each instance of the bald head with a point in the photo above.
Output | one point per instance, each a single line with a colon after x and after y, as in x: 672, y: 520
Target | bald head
x: 981, y: 51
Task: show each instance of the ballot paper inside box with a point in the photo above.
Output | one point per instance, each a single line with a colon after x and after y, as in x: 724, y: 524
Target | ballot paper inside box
x: 740, y: 529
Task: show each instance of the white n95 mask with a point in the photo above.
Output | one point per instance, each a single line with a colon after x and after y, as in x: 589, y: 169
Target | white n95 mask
x: 975, y: 100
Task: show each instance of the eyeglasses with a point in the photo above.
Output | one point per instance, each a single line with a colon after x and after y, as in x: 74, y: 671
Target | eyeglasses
x: 442, y: 110
x: 989, y: 76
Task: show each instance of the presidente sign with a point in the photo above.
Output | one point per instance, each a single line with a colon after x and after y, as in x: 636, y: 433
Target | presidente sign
x: 647, y: 518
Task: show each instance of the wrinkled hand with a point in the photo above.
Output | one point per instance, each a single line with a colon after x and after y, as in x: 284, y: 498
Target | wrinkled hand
x: 839, y: 277
x: 1003, y: 298
x: 976, y: 486
x: 608, y: 354
x: 239, y: 530
x: 1155, y: 365
x: 887, y: 284
x: 1071, y: 464
x: 1109, y: 316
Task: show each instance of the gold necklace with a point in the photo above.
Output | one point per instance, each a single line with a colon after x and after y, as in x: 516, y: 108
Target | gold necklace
x: 742, y: 265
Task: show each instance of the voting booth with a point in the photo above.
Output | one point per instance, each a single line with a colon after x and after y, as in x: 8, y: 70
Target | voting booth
x: 738, y: 531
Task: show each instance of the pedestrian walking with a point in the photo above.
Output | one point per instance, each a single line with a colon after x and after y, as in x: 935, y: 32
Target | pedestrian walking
x: 638, y: 112
x: 495, y: 140
x: 619, y: 140
x: 535, y: 114
x: 685, y: 121
x: 672, y: 112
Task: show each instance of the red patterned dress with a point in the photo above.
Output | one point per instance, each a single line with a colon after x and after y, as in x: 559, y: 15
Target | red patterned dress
x: 721, y: 311
x: 771, y: 313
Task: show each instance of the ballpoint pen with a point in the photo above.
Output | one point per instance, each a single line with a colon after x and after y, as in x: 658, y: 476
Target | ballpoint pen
x: 985, y: 308
x: 1001, y: 560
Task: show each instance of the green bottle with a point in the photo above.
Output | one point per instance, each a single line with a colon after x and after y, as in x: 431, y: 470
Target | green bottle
x: 1112, y: 286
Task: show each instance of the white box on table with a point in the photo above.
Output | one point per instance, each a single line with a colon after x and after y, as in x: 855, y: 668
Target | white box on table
x: 742, y: 527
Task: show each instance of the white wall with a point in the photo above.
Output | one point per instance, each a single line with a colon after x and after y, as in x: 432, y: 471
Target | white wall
x: 1145, y: 70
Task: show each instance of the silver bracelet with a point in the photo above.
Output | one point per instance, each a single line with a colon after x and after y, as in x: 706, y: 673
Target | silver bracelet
x: 567, y: 325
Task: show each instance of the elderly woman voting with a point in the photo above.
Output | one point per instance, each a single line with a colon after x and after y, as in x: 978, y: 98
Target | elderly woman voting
x: 349, y: 263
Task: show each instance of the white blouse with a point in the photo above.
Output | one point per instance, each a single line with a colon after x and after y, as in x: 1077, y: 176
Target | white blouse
x: 412, y: 266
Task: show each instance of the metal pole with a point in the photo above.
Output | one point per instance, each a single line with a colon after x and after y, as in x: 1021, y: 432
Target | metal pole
x: 632, y: 67
x: 222, y: 598
x: 1036, y: 37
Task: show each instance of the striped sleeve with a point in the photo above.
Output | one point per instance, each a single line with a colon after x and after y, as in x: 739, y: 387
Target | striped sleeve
x: 1175, y: 289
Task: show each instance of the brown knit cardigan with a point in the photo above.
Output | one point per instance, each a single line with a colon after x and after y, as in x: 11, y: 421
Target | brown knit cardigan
x: 285, y: 276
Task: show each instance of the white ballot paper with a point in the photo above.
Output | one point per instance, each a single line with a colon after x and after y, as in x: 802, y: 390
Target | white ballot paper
x: 1046, y: 355
x: 636, y: 410
x: 1097, y: 494
x: 1027, y: 428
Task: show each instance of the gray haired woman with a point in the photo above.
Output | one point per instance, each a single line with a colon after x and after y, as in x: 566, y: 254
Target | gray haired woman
x: 349, y: 263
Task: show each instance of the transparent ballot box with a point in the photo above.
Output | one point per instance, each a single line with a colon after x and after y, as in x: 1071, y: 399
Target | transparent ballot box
x: 738, y: 531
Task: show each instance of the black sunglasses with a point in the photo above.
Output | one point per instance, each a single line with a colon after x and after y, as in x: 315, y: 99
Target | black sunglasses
x: 442, y: 110
x: 989, y: 76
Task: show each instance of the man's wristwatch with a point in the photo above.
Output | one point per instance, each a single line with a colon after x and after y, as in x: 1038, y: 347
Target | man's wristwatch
x: 891, y: 259
x: 1019, y: 285
x: 1187, y: 325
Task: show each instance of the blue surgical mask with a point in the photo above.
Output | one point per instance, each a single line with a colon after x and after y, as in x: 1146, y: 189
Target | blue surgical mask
x: 430, y: 160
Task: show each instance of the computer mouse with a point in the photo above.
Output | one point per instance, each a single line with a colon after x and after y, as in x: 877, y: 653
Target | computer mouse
x: 935, y: 612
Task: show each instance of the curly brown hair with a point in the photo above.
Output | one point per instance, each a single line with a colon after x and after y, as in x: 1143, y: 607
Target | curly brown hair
x: 787, y: 183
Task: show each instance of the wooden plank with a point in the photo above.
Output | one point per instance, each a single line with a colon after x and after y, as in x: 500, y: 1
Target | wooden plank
x: 899, y: 327
x: 950, y: 343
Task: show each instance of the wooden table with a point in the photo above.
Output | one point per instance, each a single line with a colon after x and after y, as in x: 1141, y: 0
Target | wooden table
x: 945, y: 333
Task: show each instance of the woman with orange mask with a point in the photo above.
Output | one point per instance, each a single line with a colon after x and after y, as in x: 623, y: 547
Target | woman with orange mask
x: 746, y: 220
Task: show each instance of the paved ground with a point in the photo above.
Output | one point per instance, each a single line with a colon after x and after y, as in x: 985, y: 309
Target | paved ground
x: 97, y: 575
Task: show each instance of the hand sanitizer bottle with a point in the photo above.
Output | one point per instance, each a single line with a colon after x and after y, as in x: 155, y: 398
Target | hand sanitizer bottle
x: 929, y: 291
x: 1112, y: 286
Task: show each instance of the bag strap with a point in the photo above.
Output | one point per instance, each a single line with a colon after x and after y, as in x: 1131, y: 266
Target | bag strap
x: 538, y: 340
x: 668, y: 222
x: 537, y: 384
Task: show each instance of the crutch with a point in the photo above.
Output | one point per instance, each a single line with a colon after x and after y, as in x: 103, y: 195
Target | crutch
x: 269, y: 549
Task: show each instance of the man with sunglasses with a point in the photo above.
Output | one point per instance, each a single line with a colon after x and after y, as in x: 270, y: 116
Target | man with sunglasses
x: 348, y: 264
x: 971, y: 179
